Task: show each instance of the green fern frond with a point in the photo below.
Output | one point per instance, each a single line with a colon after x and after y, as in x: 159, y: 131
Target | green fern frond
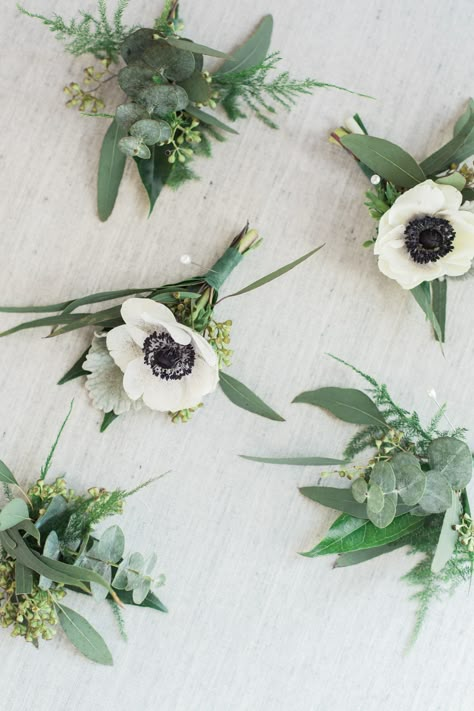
x: 87, y: 34
x: 180, y: 173
x: 46, y: 466
x: 117, y: 613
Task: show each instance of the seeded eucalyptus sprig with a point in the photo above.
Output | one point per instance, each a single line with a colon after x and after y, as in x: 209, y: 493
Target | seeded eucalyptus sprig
x: 425, y: 229
x: 49, y: 548
x: 166, y: 118
x: 410, y: 492
x: 171, y: 349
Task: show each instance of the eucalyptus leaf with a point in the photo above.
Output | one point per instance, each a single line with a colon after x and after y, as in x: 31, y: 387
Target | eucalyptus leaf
x: 134, y: 147
x: 456, y: 180
x: 151, y: 600
x: 453, y: 459
x: 135, y: 44
x: 135, y: 79
x: 23, y: 579
x: 347, y: 404
x: 243, y: 397
x: 190, y: 46
x: 359, y: 490
x: 154, y: 173
x: 197, y: 87
x: 111, y: 544
x: 176, y: 64
x: 83, y: 636
x: 13, y: 513
x: 127, y: 114
x: 349, y: 534
x: 251, y: 52
x: 386, y: 159
x: 385, y: 516
x: 274, y: 275
x: 410, y: 478
x: 384, y: 476
x: 6, y: 475
x: 151, y: 131
x: 299, y: 461
x: 438, y: 493
x: 111, y: 167
x: 141, y: 590
x: 464, y: 118
x: 448, y: 537
x: 51, y: 549
x: 375, y: 499
x: 121, y: 576
x: 99, y: 592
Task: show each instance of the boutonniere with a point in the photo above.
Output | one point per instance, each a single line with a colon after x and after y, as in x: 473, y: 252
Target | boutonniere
x: 409, y: 492
x: 166, y: 117
x: 425, y: 231
x: 50, y: 549
x: 162, y: 348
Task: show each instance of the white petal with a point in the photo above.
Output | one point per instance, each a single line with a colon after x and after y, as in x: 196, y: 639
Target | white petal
x: 424, y: 199
x: 452, y: 197
x: 104, y: 381
x: 121, y: 346
x: 205, y: 349
x: 463, y: 225
x: 135, y: 378
x: 394, y: 236
x: 203, y: 379
x: 397, y: 264
x: 167, y: 395
x: 142, y: 312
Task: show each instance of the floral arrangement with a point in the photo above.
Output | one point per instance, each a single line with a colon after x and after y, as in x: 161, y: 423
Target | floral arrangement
x: 166, y: 119
x: 425, y: 230
x: 162, y: 348
x: 49, y: 548
x: 411, y: 492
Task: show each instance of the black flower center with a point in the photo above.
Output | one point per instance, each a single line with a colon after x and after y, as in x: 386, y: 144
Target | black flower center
x: 429, y: 238
x: 167, y: 359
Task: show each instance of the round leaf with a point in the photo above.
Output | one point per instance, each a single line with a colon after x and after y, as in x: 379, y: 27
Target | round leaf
x: 120, y: 579
x: 100, y: 592
x: 438, y: 493
x: 410, y: 478
x: 196, y: 87
x: 13, y: 513
x: 127, y: 114
x: 132, y: 146
x: 453, y: 458
x: 383, y: 476
x: 158, y: 55
x: 163, y: 99
x: 181, y: 67
x: 51, y: 549
x: 359, y: 490
x: 135, y: 78
x: 384, y: 518
x: 151, y: 131
x: 141, y: 590
x: 135, y: 44
x: 111, y: 545
x: 375, y: 499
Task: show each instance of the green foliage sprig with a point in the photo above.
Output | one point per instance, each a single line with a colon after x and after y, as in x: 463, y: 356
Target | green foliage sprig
x: 49, y: 547
x: 192, y: 302
x: 170, y: 96
x: 410, y: 493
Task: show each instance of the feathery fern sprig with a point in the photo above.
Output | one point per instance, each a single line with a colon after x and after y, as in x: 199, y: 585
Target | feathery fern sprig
x: 88, y: 34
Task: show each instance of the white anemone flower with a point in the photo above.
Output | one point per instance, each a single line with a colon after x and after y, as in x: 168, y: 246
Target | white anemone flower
x: 168, y: 365
x: 425, y: 235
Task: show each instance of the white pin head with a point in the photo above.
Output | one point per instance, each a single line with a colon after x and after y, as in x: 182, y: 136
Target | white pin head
x: 375, y: 179
x: 185, y: 259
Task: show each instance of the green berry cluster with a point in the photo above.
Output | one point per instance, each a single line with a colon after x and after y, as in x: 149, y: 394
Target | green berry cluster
x: 41, y: 494
x: 466, y: 532
x: 85, y: 99
x: 218, y: 335
x: 184, y: 415
x: 31, y: 616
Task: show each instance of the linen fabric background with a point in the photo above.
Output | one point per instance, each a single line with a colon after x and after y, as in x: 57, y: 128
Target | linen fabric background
x: 252, y: 625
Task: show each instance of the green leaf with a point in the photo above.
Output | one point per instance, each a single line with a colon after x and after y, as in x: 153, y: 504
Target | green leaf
x: 51, y: 549
x: 349, y: 534
x: 384, y: 476
x: 47, y: 321
x: 154, y: 173
x: 83, y: 636
x: 410, y: 478
x: 448, y: 537
x: 359, y: 490
x: 135, y: 44
x: 422, y: 296
x: 439, y: 289
x: 6, y: 476
x: 55, y: 509
x: 335, y: 498
x: 452, y: 458
x: 33, y: 309
x: 437, y: 497
x: 77, y: 369
x: 111, y: 167
x: 464, y: 118
x: 386, y: 159
x: 197, y: 88
x: 384, y: 517
x: 134, y: 147
x: 186, y: 44
x: 111, y: 545
x: 460, y: 147
x: 150, y: 601
x: 299, y: 461
x: 23, y: 579
x: 135, y: 78
x: 347, y: 404
x: 356, y: 557
x: 208, y: 119
x: 127, y: 114
x: 274, y: 275
x: 102, y: 296
x: 151, y: 131
x: 141, y: 590
x: 456, y: 180
x: 109, y: 417
x: 243, y: 397
x: 375, y: 500
x: 163, y: 99
x: 13, y: 513
x: 252, y: 52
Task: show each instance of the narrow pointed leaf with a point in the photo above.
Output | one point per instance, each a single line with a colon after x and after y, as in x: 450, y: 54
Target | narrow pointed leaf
x: 251, y: 52
x: 386, y: 159
x: 274, y: 275
x: 83, y: 636
x: 50, y: 308
x: 422, y: 295
x: 460, y: 147
x: 349, y: 534
x: 190, y: 46
x: 448, y: 537
x: 347, y: 404
x: 102, y: 296
x: 209, y: 119
x: 151, y: 600
x: 109, y: 417
x: 356, y: 557
x: 111, y: 167
x: 77, y: 369
x: 13, y: 513
x: 154, y: 173
x: 46, y: 321
x: 439, y: 291
x: 23, y: 579
x: 298, y: 461
x: 335, y: 498
x: 243, y: 397
x: 6, y: 476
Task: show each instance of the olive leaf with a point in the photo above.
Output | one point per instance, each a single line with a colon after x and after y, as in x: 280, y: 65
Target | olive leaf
x: 186, y: 44
x: 243, y: 397
x: 386, y: 159
x: 83, y: 636
x: 251, y: 52
x: 111, y: 167
x: 346, y: 404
